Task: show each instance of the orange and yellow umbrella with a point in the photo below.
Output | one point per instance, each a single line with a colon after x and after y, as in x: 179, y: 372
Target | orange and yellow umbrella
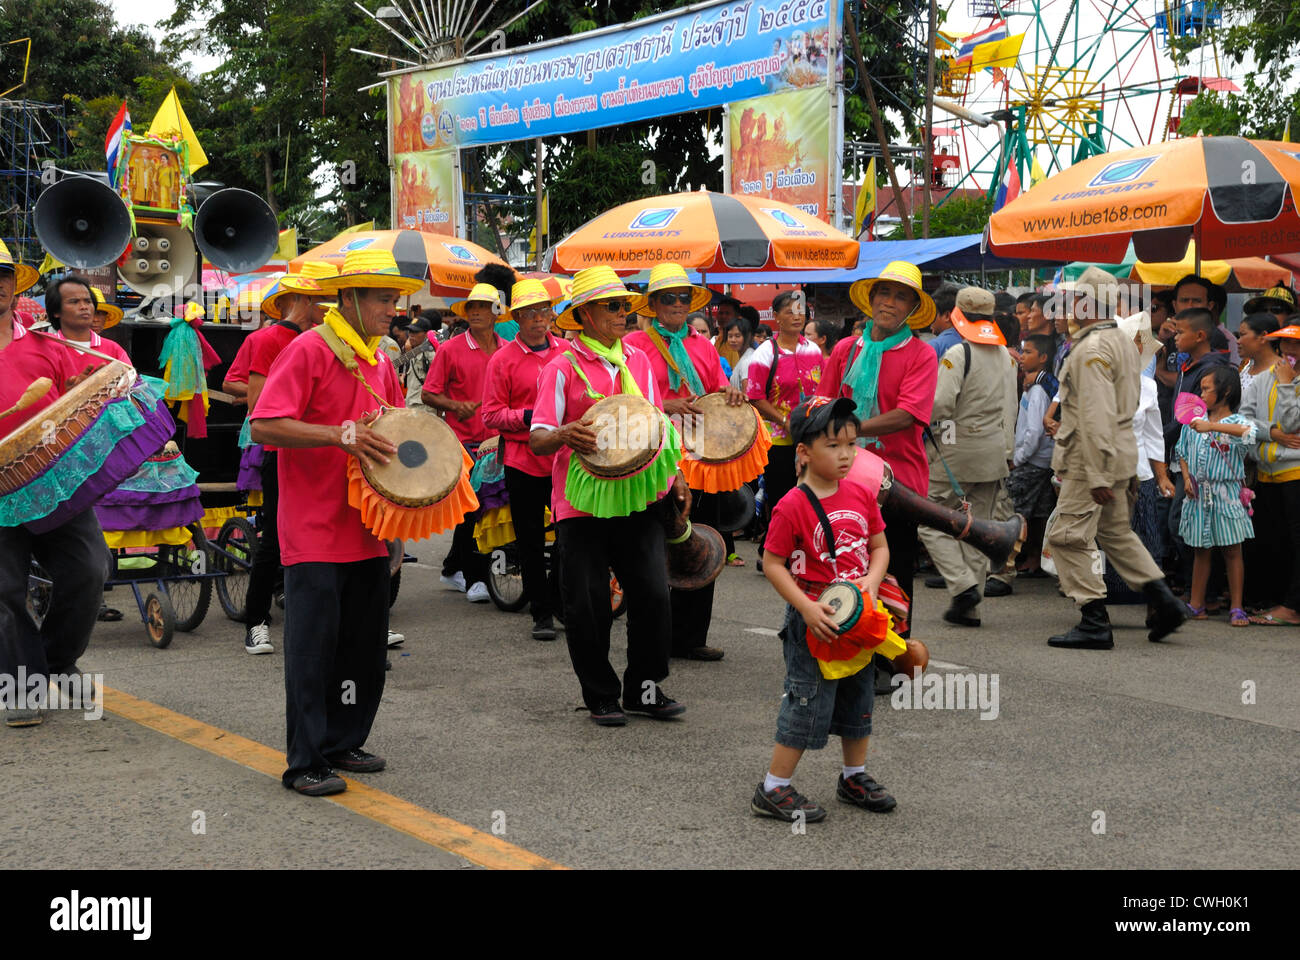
x: 448, y: 263
x: 708, y: 232
x: 1236, y: 197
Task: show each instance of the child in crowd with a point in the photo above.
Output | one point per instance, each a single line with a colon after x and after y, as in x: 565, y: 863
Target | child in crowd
x: 824, y: 431
x: 1212, y: 454
x: 1030, y: 482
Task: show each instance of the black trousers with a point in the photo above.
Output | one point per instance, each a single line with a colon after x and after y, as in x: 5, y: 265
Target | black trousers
x: 692, y: 610
x: 266, y: 572
x: 529, y: 498
x: 634, y: 547
x: 900, y: 534
x: 778, y: 480
x: 335, y: 647
x: 73, y: 556
x: 1276, y: 547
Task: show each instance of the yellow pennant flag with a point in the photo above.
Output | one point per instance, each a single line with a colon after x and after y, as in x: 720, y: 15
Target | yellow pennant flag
x: 288, y: 248
x: 358, y: 228
x: 49, y: 264
x: 1036, y: 174
x: 544, y: 224
x: 1286, y: 134
x: 864, y: 212
x: 170, y: 121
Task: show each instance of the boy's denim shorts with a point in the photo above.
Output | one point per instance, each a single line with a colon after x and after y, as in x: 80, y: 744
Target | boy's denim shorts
x: 814, y: 707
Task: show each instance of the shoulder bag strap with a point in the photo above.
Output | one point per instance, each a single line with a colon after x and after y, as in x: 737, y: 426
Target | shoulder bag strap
x: 348, y: 357
x: 824, y: 520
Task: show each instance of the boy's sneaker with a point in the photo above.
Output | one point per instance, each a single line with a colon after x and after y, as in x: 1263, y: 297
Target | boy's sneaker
x: 478, y: 593
x: 782, y: 803
x: 861, y: 791
x: 318, y: 783
x: 395, y: 639
x: 608, y: 713
x: 258, y: 639
x: 663, y: 708
x: 454, y: 582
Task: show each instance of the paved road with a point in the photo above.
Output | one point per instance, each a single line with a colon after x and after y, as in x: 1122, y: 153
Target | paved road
x: 480, y: 724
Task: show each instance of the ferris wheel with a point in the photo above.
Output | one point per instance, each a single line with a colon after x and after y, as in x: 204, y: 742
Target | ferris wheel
x: 1067, y: 79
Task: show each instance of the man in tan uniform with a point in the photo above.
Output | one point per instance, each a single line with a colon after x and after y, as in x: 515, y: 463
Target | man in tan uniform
x: 972, y: 434
x: 1096, y: 461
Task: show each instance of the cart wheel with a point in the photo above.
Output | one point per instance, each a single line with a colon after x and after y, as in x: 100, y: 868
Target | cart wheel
x: 238, y: 538
x: 505, y: 580
x: 617, y: 602
x: 191, y: 594
x: 159, y: 619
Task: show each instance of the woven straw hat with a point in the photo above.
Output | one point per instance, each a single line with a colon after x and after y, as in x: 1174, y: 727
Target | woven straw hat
x: 375, y: 269
x: 103, y: 306
x: 304, y: 281
x: 24, y: 274
x: 597, y: 283
x: 529, y: 293
x: 671, y: 276
x: 909, y: 275
x: 482, y: 293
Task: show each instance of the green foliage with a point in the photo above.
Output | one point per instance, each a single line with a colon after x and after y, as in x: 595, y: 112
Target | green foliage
x: 956, y: 217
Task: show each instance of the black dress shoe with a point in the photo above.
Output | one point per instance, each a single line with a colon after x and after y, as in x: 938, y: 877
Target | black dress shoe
x: 543, y: 629
x: 936, y: 583
x: 997, y: 588
x: 1165, y: 613
x: 1092, y: 632
x: 705, y: 653
x: 963, y: 605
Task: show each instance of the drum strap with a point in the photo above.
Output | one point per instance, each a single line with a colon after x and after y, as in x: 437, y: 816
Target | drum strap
x: 824, y: 520
x: 348, y: 357
x: 662, y: 347
x: 592, y: 392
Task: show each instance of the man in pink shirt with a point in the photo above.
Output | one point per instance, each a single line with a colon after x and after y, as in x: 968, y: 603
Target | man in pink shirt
x: 776, y: 389
x: 336, y: 579
x: 596, y: 365
x: 686, y: 366
x: 70, y: 304
x: 73, y: 552
x: 891, y: 376
x: 508, y: 406
x: 455, y: 386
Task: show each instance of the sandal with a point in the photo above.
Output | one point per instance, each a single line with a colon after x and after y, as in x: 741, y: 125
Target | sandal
x: 1268, y: 620
x: 1237, y: 617
x: 1196, y: 613
x: 735, y: 560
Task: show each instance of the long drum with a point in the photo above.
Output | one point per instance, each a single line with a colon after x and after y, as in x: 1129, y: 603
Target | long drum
x: 424, y: 488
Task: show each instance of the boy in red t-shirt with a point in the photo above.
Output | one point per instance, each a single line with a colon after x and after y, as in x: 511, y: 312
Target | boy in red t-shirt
x: 824, y: 431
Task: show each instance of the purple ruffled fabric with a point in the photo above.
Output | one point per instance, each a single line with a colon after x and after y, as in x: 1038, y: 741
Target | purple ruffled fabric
x: 131, y: 498
x: 492, y: 495
x: 130, y: 452
x: 250, y: 468
x: 161, y: 516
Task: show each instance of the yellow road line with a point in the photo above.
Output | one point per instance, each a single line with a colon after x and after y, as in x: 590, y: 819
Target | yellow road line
x: 438, y: 831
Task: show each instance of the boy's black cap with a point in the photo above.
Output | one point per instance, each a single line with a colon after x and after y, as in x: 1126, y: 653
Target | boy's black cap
x: 423, y: 324
x: 813, y: 416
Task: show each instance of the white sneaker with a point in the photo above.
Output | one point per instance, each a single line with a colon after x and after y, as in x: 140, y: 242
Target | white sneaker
x: 258, y: 639
x: 455, y: 582
x: 395, y: 638
x: 478, y: 593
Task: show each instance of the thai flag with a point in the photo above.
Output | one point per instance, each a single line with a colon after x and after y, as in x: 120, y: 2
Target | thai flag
x: 1008, y: 189
x: 991, y: 34
x: 113, y: 141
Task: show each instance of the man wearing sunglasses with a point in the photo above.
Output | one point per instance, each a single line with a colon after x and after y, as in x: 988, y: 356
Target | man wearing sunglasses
x: 686, y: 366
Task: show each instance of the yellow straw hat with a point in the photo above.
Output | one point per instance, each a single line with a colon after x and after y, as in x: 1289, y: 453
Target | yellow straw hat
x: 909, y: 275
x: 304, y: 281
x: 529, y: 293
x: 24, y: 274
x: 482, y: 293
x: 375, y: 269
x: 597, y: 283
x: 103, y: 306
x: 671, y: 276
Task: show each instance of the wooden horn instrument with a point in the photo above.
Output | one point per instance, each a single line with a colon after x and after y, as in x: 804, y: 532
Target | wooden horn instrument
x: 996, y: 539
x: 695, y: 552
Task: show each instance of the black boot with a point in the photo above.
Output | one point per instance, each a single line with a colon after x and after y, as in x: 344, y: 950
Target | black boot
x: 1166, y: 613
x: 963, y: 605
x: 1092, y: 631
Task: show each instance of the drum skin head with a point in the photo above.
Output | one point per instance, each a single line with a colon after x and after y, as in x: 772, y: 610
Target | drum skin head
x: 428, y: 461
x: 722, y: 432
x: 846, y: 601
x: 629, y: 432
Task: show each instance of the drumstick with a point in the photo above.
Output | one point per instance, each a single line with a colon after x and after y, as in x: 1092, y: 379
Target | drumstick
x: 78, y: 346
x: 35, y: 390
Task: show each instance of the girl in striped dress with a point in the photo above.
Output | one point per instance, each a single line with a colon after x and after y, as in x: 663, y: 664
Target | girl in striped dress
x: 1212, y: 453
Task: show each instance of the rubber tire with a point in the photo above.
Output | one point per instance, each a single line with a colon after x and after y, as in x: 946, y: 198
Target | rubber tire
x: 223, y: 584
x: 193, y: 617
x: 162, y: 630
x: 503, y: 603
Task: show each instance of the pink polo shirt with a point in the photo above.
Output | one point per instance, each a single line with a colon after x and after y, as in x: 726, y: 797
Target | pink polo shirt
x: 28, y: 358
x: 96, y: 342
x: 562, y: 398
x: 307, y: 382
x: 702, y: 353
x: 798, y: 373
x: 459, y: 371
x: 909, y: 374
x: 511, y: 398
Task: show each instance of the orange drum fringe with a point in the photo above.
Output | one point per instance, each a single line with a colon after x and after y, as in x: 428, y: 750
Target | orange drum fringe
x: 721, y: 477
x: 390, y: 521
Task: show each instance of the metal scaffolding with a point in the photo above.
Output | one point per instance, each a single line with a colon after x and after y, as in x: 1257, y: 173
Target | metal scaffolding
x: 31, y: 133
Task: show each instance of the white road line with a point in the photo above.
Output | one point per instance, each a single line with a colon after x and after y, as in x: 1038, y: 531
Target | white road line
x: 944, y: 665
x: 765, y: 631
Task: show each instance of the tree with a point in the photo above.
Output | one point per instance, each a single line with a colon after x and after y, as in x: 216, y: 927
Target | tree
x: 956, y: 217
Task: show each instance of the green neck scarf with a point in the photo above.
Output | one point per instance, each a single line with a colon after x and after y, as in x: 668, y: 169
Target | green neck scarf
x: 614, y: 354
x: 864, y: 375
x: 685, y: 368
